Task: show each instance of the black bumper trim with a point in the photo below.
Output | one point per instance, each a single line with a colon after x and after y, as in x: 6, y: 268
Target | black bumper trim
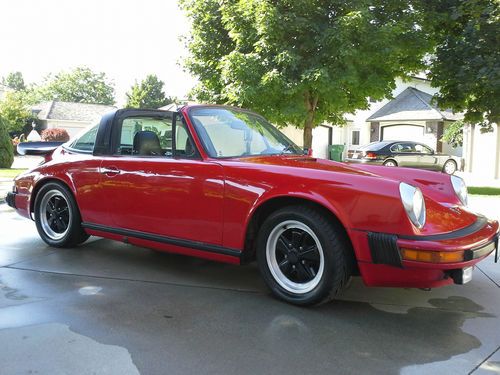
x: 482, y: 250
x: 384, y: 249
x: 11, y: 199
x: 474, y: 227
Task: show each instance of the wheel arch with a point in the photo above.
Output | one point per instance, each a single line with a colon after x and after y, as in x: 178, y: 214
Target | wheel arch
x: 267, y: 207
x: 390, y: 158
x: 44, y: 181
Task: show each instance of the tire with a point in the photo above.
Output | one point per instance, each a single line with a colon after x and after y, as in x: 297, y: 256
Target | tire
x: 390, y: 163
x: 57, y: 216
x: 303, y: 256
x: 450, y: 167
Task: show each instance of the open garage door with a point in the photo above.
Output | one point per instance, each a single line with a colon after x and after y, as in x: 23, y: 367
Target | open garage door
x: 403, y: 133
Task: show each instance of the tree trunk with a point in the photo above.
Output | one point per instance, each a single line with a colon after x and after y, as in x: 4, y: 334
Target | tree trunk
x: 308, y: 130
x: 310, y: 101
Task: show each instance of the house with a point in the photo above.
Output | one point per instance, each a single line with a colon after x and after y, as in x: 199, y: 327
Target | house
x: 409, y: 115
x: 73, y: 117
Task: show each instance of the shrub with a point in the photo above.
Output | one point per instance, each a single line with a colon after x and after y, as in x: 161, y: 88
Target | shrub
x: 6, y: 150
x: 55, y: 135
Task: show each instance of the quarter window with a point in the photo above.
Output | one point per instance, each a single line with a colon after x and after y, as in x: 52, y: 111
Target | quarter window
x: 86, y: 141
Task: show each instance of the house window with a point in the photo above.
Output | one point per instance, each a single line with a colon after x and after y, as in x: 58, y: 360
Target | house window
x: 355, y: 137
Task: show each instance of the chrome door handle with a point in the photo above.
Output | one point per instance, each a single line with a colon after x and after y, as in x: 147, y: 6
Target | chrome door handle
x: 110, y: 171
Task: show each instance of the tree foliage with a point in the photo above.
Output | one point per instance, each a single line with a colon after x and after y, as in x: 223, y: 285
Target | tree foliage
x: 80, y: 85
x: 6, y: 149
x: 454, y: 134
x: 14, y: 110
x: 148, y: 94
x: 302, y: 62
x: 466, y: 62
x: 15, y: 81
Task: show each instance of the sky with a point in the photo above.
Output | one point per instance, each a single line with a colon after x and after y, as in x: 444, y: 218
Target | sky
x: 125, y: 39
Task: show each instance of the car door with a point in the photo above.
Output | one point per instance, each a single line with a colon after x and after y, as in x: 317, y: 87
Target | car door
x: 156, y: 183
x: 426, y: 157
x: 405, y: 154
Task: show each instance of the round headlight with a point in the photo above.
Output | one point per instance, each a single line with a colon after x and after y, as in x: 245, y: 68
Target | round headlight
x: 460, y: 189
x: 413, y: 203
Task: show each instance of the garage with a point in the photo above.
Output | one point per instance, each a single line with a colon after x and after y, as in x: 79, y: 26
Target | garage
x: 403, y: 132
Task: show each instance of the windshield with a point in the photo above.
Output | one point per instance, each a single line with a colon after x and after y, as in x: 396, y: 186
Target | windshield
x: 229, y: 132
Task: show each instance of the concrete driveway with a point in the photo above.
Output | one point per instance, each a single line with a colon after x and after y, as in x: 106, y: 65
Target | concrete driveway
x: 112, y: 308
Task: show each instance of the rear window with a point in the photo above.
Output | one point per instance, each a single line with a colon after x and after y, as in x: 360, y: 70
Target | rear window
x: 374, y: 146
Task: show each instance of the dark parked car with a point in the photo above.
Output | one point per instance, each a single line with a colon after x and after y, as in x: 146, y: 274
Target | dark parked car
x: 404, y: 154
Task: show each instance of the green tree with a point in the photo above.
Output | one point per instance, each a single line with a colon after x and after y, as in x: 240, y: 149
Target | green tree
x: 6, y: 148
x: 15, y: 112
x: 148, y: 94
x: 303, y: 62
x: 15, y: 81
x: 454, y: 134
x: 80, y: 85
x: 466, y: 62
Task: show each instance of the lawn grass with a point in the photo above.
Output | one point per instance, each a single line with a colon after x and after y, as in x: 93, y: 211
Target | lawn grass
x: 10, y: 172
x: 483, y: 190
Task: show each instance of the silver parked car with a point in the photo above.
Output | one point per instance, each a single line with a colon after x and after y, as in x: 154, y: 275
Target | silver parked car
x: 404, y: 154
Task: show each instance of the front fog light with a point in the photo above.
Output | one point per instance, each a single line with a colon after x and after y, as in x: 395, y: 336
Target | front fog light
x: 460, y: 189
x: 413, y: 202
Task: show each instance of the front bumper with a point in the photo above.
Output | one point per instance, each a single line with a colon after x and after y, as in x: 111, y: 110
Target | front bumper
x: 11, y: 199
x: 381, y: 263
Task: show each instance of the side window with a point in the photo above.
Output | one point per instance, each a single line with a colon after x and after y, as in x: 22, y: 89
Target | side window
x: 145, y: 136
x: 184, y: 145
x: 423, y: 149
x: 398, y: 147
x: 152, y: 136
x: 86, y: 141
x: 407, y: 148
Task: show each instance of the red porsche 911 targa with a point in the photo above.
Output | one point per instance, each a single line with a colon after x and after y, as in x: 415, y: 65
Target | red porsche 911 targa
x: 221, y: 183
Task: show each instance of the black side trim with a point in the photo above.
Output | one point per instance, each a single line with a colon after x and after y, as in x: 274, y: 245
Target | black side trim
x: 474, y: 227
x: 11, y: 199
x: 384, y: 249
x: 164, y: 239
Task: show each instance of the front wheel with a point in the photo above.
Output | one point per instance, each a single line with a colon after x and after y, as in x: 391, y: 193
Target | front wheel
x: 57, y: 217
x: 303, y: 257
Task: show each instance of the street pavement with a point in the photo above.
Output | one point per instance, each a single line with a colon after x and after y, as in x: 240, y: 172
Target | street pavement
x: 112, y: 308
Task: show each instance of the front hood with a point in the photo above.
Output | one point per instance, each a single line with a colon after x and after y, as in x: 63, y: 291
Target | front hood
x: 445, y: 213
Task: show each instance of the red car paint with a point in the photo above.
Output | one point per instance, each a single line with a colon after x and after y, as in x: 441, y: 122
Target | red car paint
x: 213, y: 201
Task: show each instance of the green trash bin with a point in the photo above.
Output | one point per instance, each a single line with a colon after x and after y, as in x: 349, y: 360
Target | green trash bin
x: 335, y: 152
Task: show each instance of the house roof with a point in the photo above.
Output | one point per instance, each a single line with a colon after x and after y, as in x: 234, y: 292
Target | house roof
x: 412, y: 104
x: 69, y: 111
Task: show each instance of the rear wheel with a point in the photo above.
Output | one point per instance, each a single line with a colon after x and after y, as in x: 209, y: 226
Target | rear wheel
x: 57, y: 216
x: 303, y: 256
x: 450, y: 167
x: 390, y: 163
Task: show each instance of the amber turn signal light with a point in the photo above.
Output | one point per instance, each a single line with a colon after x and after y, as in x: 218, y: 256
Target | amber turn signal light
x: 433, y: 256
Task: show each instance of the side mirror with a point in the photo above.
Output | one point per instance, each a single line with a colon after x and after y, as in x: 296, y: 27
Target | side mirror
x: 308, y: 151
